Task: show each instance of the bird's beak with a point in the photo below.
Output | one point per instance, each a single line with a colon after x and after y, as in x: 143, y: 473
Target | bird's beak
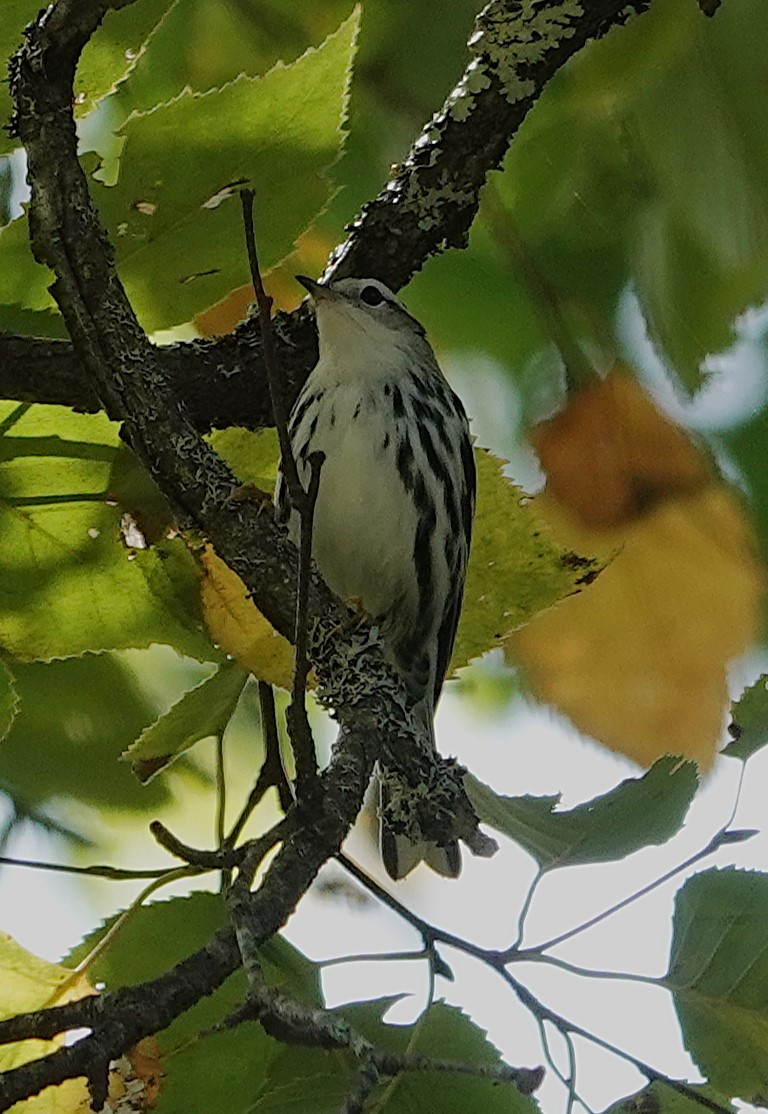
x: 317, y: 291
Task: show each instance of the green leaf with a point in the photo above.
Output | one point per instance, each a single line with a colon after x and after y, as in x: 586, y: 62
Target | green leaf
x: 252, y: 455
x: 718, y: 975
x: 74, y: 718
x: 745, y: 446
x: 446, y: 1033
x: 217, y: 1071
x: 242, y: 40
x: 749, y: 721
x: 68, y: 581
x: 515, y: 568
x: 660, y: 1099
x: 107, y: 57
x: 32, y: 322
x: 111, y: 54
x: 155, y: 937
x: 201, y: 713
x: 637, y: 813
x: 9, y: 700
x: 307, y: 1081
x: 178, y: 237
x: 24, y: 282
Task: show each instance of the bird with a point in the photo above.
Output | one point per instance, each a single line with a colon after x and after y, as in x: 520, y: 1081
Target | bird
x: 393, y: 518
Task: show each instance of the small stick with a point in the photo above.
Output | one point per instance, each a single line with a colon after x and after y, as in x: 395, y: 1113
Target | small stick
x: 112, y: 873
x: 271, y: 772
x: 222, y: 859
x: 273, y: 761
x: 304, y: 503
x: 264, y: 303
x: 298, y: 722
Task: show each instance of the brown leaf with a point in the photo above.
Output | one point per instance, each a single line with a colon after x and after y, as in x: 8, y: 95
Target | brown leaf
x: 611, y: 454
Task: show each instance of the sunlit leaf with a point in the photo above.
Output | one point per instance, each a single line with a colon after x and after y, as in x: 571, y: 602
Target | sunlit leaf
x: 239, y: 628
x: 201, y: 713
x: 24, y: 296
x: 718, y: 974
x: 637, y: 813
x: 30, y: 983
x: 516, y: 568
x: 16, y: 15
x: 66, y: 545
x: 107, y: 57
x: 252, y: 455
x: 178, y: 238
x: 111, y: 54
x: 9, y: 699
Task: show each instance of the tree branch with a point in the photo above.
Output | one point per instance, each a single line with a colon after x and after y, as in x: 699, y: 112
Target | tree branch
x: 427, y: 207
x: 164, y: 397
x: 127, y: 375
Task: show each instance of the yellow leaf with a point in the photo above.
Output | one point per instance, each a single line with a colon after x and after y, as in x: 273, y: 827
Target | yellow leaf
x: 238, y: 627
x: 29, y: 983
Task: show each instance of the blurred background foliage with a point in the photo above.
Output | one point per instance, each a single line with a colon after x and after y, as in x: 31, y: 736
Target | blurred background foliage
x: 627, y: 230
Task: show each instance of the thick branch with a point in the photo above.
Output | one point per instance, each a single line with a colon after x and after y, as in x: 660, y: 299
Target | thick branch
x: 430, y: 206
x: 122, y: 1018
x: 127, y: 375
x: 427, y: 207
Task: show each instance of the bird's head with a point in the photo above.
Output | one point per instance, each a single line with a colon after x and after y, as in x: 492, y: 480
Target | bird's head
x: 353, y: 314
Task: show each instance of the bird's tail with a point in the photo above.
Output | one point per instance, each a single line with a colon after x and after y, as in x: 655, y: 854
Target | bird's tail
x: 403, y: 846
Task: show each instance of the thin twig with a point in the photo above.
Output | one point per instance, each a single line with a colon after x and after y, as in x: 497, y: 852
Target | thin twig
x: 221, y: 792
x: 572, y: 1093
x: 584, y: 972
x: 296, y: 716
x: 271, y: 772
x: 373, y: 957
x: 222, y: 859
x: 721, y: 839
x: 429, y: 933
x: 117, y: 926
x: 304, y: 504
x: 273, y: 759
x: 264, y: 303
x: 497, y: 961
x: 112, y: 873
x: 526, y: 907
x: 544, y: 1013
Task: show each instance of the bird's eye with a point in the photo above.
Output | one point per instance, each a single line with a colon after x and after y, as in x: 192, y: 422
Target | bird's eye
x: 371, y: 295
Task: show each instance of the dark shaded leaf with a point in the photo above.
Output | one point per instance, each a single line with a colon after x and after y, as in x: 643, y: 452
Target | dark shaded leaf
x: 638, y: 812
x: 718, y: 975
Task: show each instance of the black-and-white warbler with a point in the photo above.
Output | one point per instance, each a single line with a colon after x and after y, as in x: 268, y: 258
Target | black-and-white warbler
x: 394, y: 510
